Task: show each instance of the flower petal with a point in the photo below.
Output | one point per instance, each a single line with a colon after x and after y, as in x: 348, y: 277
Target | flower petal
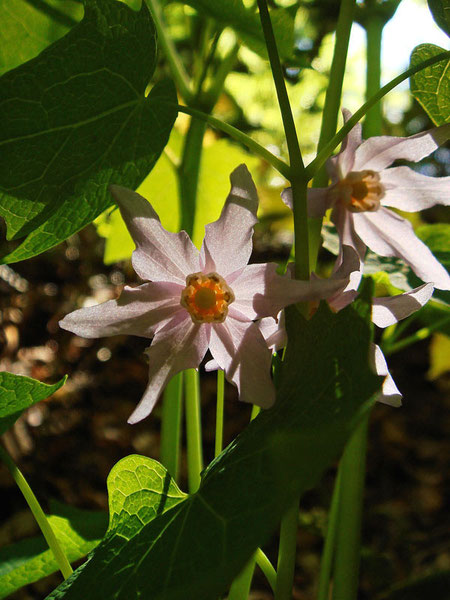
x: 319, y: 200
x: 343, y: 219
x: 349, y: 271
x: 390, y: 310
x: 388, y: 234
x: 241, y: 351
x: 390, y: 393
x: 138, y: 311
x: 411, y: 191
x: 342, y: 163
x: 159, y: 255
x: 274, y: 332
x: 261, y: 292
x: 180, y: 345
x: 377, y: 153
x: 228, y: 241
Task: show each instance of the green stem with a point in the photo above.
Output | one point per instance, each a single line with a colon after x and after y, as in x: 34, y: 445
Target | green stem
x: 172, y: 409
x: 38, y: 513
x: 421, y: 334
x: 219, y: 412
x: 240, y: 588
x: 374, y: 33
x: 326, y: 562
x: 267, y: 568
x: 348, y: 538
x: 175, y: 64
x: 287, y: 553
x: 327, y: 150
x: 331, y: 109
x: 297, y: 168
x: 194, y: 429
x: 239, y: 136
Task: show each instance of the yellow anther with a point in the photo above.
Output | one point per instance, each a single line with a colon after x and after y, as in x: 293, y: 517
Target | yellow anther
x: 206, y: 297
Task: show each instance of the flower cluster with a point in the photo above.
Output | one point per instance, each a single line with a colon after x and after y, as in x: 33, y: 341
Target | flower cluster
x: 194, y: 301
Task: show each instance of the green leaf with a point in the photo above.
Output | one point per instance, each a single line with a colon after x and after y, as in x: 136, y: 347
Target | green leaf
x: 440, y: 9
x: 18, y: 393
x: 196, y: 548
x: 161, y: 189
x: 246, y: 23
x: 431, y: 86
x: 76, y: 119
x: 30, y: 26
x: 78, y: 532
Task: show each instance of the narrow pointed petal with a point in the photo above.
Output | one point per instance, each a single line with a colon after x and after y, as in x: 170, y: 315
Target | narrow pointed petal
x: 261, y: 292
x: 377, y: 153
x: 343, y: 219
x: 410, y: 191
x: 349, y: 270
x: 180, y: 345
x: 390, y: 310
x: 389, y: 393
x: 228, y: 241
x: 318, y: 200
x: 388, y: 234
x: 274, y: 332
x: 241, y: 351
x: 342, y: 163
x: 159, y: 255
x: 138, y: 311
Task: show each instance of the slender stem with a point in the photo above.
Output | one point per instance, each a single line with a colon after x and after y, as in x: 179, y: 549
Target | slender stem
x: 172, y: 409
x: 297, y: 168
x: 175, y: 64
x: 267, y: 568
x: 239, y: 136
x: 326, y: 151
x: 219, y: 412
x: 326, y: 562
x: 194, y: 429
x: 35, y: 507
x: 240, y: 588
x: 421, y: 334
x: 348, y: 538
x: 374, y: 33
x: 331, y: 110
x: 287, y: 553
x: 225, y: 66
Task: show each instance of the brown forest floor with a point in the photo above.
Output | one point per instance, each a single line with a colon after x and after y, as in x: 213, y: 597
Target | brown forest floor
x: 67, y: 445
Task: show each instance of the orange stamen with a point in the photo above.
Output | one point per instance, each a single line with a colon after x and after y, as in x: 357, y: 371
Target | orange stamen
x: 206, y: 297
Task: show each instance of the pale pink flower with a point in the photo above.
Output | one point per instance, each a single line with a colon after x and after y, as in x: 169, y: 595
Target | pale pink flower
x: 362, y: 187
x: 385, y: 311
x: 195, y: 300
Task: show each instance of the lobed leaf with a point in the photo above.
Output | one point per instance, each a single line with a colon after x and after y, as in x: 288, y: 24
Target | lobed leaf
x: 197, y: 547
x: 74, y: 120
x: 431, y: 86
x: 17, y: 393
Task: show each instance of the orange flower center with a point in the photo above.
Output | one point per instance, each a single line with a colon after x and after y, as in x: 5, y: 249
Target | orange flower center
x: 360, y: 191
x: 206, y: 297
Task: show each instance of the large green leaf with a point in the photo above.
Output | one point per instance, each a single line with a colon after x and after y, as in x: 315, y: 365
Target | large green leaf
x: 197, y: 547
x: 78, y: 532
x: 28, y: 27
x: 76, y: 119
x: 431, y: 86
x: 247, y: 25
x: 440, y: 10
x: 17, y: 393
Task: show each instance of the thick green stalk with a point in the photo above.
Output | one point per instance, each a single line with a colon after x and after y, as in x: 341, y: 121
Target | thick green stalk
x: 219, y: 412
x: 297, y: 168
x: 193, y: 429
x: 35, y: 507
x: 176, y: 66
x: 331, y: 109
x: 239, y: 136
x: 374, y: 33
x: 287, y: 553
x: 348, y: 539
x: 240, y: 588
x: 327, y: 150
x: 326, y: 562
x: 172, y: 409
